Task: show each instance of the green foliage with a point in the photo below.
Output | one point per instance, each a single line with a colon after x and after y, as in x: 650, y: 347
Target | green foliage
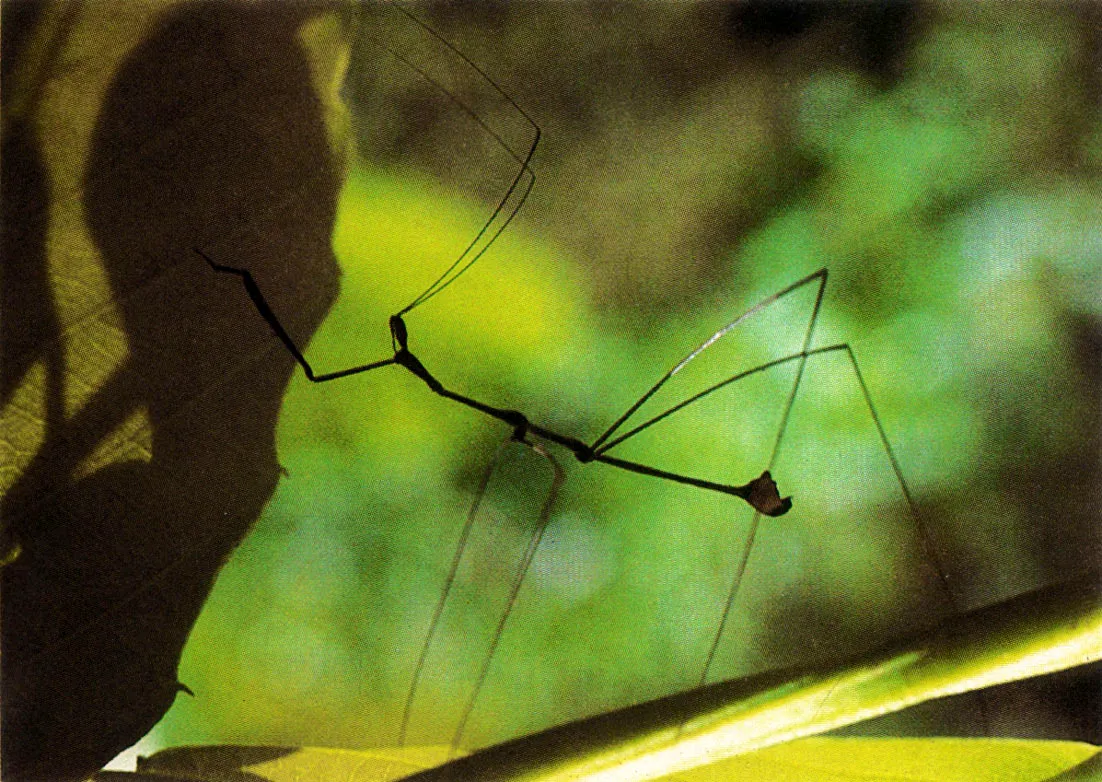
x: 955, y: 202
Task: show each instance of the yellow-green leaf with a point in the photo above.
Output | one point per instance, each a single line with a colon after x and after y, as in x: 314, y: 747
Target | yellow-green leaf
x: 807, y: 760
x: 1042, y: 632
x: 900, y: 760
x: 280, y: 764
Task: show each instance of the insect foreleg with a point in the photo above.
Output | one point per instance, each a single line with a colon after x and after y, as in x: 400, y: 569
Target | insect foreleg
x: 270, y: 318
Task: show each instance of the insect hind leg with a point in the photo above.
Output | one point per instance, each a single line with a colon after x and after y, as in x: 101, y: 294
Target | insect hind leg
x: 926, y: 535
x: 480, y: 507
x: 927, y: 539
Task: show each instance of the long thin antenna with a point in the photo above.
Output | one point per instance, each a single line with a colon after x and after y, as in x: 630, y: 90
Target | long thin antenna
x: 443, y: 281
x: 447, y: 277
x: 524, y: 173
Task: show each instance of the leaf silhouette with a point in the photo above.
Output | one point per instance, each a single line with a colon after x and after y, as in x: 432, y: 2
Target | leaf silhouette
x: 139, y: 391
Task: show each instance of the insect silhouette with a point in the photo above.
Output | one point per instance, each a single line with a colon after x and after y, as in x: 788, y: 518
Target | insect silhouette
x: 760, y: 493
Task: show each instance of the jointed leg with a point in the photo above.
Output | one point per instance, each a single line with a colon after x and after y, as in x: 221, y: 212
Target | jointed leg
x: 602, y: 443
x: 270, y: 318
x: 557, y: 479
x: 438, y: 611
x: 928, y: 541
x: 558, y: 476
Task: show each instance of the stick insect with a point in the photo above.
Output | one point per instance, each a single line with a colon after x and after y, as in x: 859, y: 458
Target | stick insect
x: 760, y: 493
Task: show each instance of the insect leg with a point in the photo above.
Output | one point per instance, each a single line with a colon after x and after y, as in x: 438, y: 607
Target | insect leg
x: 515, y: 583
x: 761, y: 493
x: 604, y: 443
x: 926, y: 536
x: 472, y: 514
x: 558, y: 476
x: 270, y: 318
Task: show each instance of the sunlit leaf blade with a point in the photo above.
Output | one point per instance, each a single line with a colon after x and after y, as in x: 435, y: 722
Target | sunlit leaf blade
x: 712, y: 733
x: 901, y: 760
x: 809, y: 760
x: 1042, y: 632
x: 212, y: 764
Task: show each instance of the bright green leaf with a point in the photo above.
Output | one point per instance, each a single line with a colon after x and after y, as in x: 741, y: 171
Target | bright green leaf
x: 901, y: 760
x: 283, y: 764
x: 1038, y: 633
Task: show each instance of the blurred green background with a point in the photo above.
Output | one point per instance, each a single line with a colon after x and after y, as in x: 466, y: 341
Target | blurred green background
x: 943, y: 161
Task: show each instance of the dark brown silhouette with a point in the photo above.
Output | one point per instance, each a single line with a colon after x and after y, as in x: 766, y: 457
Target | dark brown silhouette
x: 212, y: 135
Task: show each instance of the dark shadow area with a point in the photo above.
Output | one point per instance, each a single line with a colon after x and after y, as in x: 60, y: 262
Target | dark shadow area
x: 873, y: 35
x: 226, y: 762
x: 211, y: 135
x: 1064, y: 706
x: 25, y: 295
x: 130, y: 776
